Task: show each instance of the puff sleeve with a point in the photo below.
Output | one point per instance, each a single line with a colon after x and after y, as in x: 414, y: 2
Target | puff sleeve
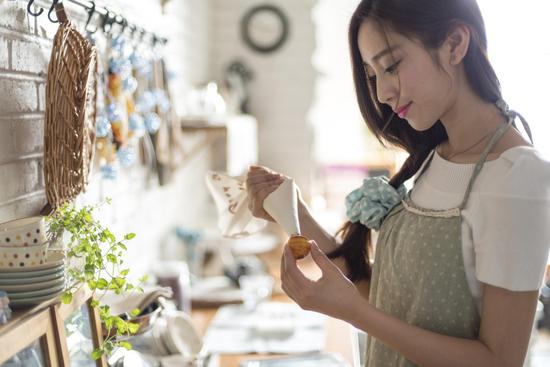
x: 512, y: 238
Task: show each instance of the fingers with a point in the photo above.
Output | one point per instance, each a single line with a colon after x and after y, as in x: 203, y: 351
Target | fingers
x: 254, y: 189
x: 324, y: 263
x: 256, y: 200
x: 294, y: 274
x: 287, y: 284
x: 259, y: 184
x: 263, y: 178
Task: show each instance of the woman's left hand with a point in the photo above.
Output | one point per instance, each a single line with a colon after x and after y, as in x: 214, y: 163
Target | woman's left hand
x: 333, y: 294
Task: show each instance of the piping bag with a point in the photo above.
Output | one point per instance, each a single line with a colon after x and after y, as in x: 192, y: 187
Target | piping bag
x: 282, y: 205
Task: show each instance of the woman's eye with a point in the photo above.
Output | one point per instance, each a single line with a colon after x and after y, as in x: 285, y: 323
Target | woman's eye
x: 393, y: 68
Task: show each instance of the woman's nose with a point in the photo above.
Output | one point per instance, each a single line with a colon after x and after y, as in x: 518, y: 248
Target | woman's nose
x: 386, y: 91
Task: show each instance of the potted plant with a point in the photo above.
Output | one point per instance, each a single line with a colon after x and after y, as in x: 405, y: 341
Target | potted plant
x: 95, y: 258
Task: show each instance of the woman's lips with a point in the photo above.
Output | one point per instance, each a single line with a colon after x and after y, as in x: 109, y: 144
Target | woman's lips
x: 402, y: 112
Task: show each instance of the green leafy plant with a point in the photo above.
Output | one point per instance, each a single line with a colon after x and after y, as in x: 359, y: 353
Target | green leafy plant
x: 95, y: 259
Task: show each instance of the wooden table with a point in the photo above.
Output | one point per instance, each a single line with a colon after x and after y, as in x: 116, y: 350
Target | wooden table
x: 338, y: 333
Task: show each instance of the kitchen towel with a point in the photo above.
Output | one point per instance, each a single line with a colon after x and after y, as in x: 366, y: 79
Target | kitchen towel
x: 235, y: 219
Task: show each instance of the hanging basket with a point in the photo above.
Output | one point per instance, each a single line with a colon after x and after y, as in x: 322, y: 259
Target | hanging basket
x: 69, y: 134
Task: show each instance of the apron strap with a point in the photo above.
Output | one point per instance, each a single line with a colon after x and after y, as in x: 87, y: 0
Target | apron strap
x: 425, y: 167
x: 496, y: 136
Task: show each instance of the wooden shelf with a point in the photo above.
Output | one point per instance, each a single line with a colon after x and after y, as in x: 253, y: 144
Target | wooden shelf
x: 45, y: 322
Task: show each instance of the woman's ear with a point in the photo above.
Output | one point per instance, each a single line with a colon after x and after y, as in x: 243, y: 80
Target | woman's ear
x: 457, y: 44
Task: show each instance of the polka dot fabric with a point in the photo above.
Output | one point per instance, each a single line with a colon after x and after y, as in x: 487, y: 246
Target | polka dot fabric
x: 370, y: 203
x: 419, y: 277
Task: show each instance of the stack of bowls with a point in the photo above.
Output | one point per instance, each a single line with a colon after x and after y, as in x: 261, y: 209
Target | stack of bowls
x: 29, y: 273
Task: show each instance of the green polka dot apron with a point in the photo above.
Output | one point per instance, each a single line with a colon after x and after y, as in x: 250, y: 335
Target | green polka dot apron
x: 418, y: 274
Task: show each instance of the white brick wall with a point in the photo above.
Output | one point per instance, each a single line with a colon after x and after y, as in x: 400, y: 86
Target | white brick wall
x: 4, y: 54
x: 149, y: 210
x: 282, y: 92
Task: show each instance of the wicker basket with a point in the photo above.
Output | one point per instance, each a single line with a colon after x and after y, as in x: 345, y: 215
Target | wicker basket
x: 69, y: 135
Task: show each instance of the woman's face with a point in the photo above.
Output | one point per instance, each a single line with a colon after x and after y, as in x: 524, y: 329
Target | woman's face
x: 407, y: 77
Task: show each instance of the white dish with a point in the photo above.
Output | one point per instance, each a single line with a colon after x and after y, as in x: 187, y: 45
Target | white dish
x: 32, y: 280
x: 33, y: 286
x: 32, y: 300
x: 55, y: 258
x: 37, y: 293
x: 30, y: 273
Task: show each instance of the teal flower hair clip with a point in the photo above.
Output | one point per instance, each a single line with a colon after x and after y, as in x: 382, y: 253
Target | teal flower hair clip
x: 370, y: 203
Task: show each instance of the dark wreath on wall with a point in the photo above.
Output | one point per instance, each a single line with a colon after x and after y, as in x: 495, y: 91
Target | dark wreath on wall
x: 252, y: 29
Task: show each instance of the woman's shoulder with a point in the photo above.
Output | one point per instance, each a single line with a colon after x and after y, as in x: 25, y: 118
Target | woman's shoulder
x: 524, y: 173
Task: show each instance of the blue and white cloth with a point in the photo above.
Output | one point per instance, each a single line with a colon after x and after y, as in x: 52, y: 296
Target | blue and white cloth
x: 370, y: 203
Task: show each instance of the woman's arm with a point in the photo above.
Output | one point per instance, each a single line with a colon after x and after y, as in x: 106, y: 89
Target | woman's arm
x: 507, y: 321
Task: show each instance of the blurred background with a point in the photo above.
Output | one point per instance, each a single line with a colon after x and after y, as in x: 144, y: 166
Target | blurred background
x: 245, y: 82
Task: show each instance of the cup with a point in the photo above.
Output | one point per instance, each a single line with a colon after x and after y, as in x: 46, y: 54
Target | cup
x: 256, y: 288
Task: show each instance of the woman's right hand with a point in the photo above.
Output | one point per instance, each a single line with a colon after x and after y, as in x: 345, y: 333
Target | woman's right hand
x: 260, y: 182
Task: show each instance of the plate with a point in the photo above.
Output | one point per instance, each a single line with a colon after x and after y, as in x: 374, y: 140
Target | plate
x: 31, y: 280
x: 30, y: 273
x: 37, y: 293
x: 32, y: 300
x: 33, y: 286
x: 55, y: 258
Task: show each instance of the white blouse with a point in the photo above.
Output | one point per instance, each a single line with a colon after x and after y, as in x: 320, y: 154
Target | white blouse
x: 506, y: 221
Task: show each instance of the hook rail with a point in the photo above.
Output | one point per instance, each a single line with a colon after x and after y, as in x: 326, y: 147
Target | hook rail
x: 109, y: 18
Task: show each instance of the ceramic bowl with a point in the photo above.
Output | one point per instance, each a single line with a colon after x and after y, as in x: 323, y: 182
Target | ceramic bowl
x: 55, y: 260
x: 23, y: 257
x: 23, y: 232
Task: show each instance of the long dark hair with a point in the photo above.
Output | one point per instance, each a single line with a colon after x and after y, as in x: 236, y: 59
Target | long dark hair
x: 430, y: 22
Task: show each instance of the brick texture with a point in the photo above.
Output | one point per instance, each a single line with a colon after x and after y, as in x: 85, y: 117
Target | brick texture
x: 17, y: 96
x: 19, y: 178
x: 28, y: 136
x: 4, y: 53
x: 29, y: 57
x: 13, y: 16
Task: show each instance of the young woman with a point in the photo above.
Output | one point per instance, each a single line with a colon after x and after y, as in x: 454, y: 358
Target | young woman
x: 461, y: 256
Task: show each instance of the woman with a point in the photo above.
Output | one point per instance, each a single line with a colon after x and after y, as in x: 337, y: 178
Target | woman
x: 461, y: 256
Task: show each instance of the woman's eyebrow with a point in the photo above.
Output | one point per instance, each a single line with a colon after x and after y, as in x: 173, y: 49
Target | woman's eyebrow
x: 383, y: 53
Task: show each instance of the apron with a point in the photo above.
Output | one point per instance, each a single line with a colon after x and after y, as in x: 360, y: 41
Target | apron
x: 418, y: 274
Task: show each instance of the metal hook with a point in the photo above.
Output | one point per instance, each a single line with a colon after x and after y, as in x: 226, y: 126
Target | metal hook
x: 123, y: 24
x: 108, y: 21
x: 31, y: 12
x: 52, y: 10
x: 91, y: 12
